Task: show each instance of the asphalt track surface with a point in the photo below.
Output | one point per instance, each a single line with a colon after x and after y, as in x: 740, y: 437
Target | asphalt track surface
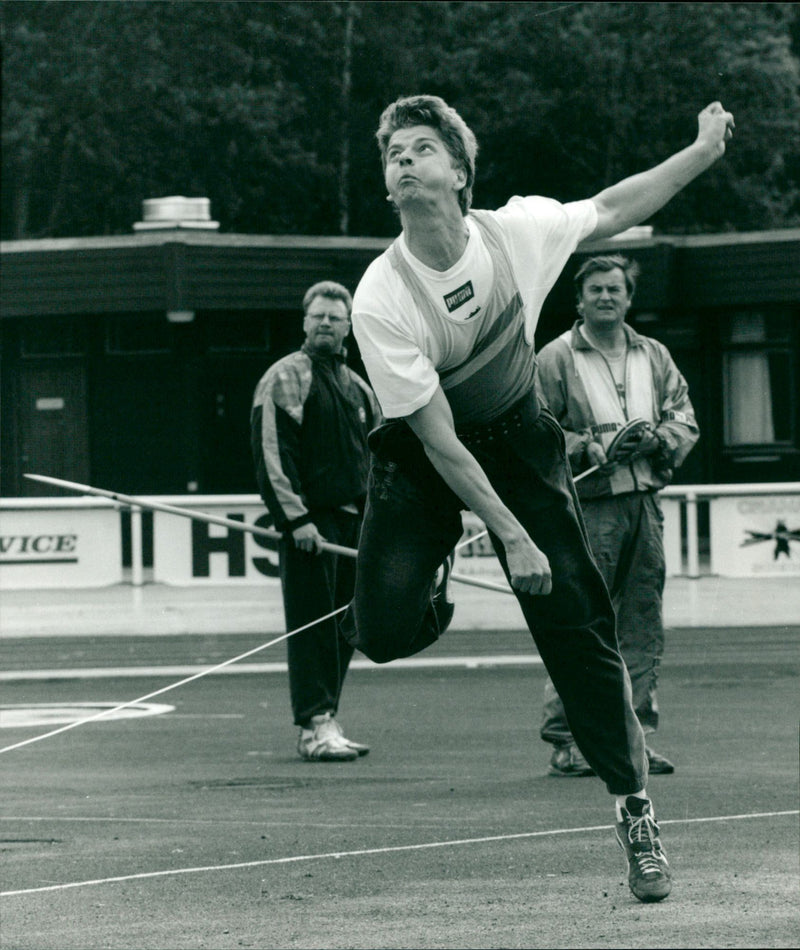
x: 201, y: 828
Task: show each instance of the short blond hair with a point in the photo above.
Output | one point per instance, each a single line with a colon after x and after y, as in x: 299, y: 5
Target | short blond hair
x: 458, y: 138
x: 328, y: 288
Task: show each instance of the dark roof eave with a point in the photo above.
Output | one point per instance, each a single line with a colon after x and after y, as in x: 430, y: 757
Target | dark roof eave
x: 204, y: 238
x: 189, y: 236
x: 778, y: 235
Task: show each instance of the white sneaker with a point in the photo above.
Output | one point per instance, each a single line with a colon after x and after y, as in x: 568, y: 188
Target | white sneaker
x: 360, y: 749
x: 324, y: 741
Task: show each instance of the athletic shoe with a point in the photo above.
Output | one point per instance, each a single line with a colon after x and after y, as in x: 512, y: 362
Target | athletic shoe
x: 567, y: 761
x: 658, y: 764
x: 637, y: 834
x: 324, y: 742
x: 440, y: 594
x: 359, y: 748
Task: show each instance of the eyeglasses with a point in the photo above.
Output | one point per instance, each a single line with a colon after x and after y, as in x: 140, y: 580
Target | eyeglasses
x: 332, y: 317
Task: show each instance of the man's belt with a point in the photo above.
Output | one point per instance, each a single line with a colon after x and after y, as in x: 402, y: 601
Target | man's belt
x: 523, y: 413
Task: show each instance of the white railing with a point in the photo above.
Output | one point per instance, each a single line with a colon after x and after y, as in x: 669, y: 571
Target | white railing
x: 19, y: 521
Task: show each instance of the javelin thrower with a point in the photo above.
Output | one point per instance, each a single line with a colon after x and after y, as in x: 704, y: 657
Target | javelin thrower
x: 445, y: 323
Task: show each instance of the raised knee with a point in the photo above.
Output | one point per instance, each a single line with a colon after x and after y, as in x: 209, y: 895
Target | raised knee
x: 378, y: 653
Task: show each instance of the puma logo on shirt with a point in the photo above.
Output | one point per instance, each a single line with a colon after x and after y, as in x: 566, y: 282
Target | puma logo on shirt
x: 459, y: 296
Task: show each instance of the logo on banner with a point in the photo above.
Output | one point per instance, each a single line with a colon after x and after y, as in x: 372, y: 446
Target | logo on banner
x: 233, y: 547
x: 782, y: 537
x: 39, y: 549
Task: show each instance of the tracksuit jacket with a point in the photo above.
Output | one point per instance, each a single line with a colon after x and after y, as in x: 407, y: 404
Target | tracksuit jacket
x: 655, y: 390
x: 308, y: 430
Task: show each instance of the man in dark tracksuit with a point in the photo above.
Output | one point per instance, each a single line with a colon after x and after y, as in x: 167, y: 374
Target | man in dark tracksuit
x: 309, y: 423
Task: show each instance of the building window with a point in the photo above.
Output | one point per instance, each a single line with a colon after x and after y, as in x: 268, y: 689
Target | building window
x: 758, y: 379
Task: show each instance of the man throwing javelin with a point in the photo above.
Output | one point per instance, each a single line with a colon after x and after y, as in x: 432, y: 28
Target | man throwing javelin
x: 445, y: 322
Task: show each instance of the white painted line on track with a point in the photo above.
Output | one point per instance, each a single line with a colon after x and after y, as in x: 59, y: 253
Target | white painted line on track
x: 295, y: 859
x: 23, y: 715
x: 438, y: 821
x: 410, y: 663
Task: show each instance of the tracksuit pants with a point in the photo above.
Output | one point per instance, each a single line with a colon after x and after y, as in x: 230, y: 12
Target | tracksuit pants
x: 314, y: 585
x: 413, y: 521
x: 626, y: 537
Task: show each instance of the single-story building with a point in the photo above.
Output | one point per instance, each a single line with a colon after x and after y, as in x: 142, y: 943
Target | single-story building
x: 129, y: 362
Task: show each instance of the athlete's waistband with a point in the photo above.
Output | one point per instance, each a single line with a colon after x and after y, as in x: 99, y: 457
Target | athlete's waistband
x: 394, y: 440
x: 524, y: 412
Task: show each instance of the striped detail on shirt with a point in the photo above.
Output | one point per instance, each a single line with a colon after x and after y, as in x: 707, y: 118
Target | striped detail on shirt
x: 501, y: 367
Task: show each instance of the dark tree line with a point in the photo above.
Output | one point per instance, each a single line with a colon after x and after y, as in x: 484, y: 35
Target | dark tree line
x: 269, y: 108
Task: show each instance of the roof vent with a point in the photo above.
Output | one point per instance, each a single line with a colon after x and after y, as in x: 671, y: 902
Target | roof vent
x: 176, y: 212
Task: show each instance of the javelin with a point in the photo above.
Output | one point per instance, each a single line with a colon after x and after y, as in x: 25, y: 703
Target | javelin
x: 577, y: 478
x: 173, y: 510
x: 195, y: 515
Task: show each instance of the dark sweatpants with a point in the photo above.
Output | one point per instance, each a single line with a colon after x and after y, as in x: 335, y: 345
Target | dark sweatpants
x: 314, y: 585
x: 626, y: 537
x: 413, y: 521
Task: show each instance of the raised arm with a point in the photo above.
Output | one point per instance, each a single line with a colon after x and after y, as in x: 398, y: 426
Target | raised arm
x: 433, y: 426
x: 635, y: 199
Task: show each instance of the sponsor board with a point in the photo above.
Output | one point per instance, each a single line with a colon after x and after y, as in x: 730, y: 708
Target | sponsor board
x: 755, y: 536
x: 51, y: 547
x: 187, y: 552
x: 195, y: 552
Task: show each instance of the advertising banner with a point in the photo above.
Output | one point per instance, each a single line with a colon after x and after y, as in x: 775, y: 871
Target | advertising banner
x: 194, y: 552
x: 755, y: 536
x: 60, y: 547
x: 189, y: 552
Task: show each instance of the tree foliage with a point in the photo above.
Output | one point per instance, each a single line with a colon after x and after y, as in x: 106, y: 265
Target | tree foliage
x: 269, y: 108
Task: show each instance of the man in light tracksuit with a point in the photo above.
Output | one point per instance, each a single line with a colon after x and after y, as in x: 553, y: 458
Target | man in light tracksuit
x: 596, y: 377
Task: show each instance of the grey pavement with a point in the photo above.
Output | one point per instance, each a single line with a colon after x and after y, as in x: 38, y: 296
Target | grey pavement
x: 163, y: 610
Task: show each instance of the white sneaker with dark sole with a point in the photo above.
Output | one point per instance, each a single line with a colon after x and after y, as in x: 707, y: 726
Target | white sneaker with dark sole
x: 358, y: 746
x: 324, y: 742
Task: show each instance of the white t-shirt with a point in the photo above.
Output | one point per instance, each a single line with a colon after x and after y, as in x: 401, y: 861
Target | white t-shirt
x: 403, y: 351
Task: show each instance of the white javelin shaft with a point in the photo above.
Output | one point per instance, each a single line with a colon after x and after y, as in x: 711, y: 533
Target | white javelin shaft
x: 183, y: 512
x: 594, y: 468
x: 226, y: 522
x: 577, y: 478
